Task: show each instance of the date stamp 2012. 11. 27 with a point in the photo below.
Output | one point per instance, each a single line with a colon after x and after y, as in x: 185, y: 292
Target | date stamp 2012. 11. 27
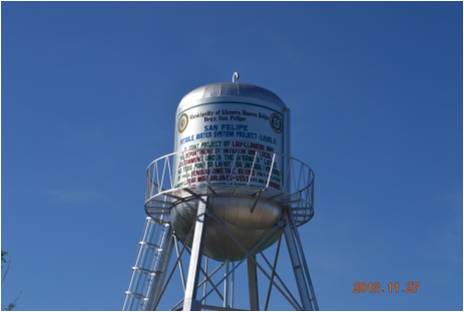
x: 391, y: 287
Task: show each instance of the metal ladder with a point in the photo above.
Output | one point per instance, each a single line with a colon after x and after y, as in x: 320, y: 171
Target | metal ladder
x: 149, y: 271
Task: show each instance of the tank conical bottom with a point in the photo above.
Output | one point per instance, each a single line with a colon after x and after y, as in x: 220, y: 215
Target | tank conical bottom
x: 248, y: 228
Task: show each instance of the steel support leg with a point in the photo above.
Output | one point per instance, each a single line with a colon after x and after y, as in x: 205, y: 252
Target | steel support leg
x: 298, y: 263
x: 225, y: 302
x: 231, y: 287
x: 228, y: 285
x: 190, y: 298
x: 205, y: 286
x: 253, y: 283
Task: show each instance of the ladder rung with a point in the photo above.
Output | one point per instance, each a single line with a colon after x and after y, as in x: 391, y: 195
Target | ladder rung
x: 158, y: 212
x: 135, y: 294
x: 151, y: 245
x: 143, y: 270
x: 150, y: 272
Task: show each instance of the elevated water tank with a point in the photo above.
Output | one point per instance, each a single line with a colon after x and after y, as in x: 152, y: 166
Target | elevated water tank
x: 231, y: 143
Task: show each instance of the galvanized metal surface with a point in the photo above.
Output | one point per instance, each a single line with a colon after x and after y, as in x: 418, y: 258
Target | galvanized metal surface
x: 190, y: 300
x: 224, y: 91
x: 253, y: 291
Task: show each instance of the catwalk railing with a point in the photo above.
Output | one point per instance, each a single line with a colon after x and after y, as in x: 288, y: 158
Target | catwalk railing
x: 179, y: 176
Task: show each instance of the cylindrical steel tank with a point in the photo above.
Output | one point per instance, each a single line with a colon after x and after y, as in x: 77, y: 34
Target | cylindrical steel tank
x: 239, y: 126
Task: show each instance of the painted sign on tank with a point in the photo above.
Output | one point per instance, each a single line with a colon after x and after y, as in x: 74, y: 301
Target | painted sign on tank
x: 229, y: 143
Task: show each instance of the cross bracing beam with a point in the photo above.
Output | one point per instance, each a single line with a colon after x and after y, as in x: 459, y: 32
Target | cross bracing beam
x: 270, y: 273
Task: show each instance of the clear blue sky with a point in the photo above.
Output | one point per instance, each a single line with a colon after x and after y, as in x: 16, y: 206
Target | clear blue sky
x: 89, y: 92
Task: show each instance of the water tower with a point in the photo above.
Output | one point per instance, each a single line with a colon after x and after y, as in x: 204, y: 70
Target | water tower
x: 229, y: 191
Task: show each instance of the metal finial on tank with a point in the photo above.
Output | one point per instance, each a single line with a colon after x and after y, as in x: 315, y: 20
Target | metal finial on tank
x: 235, y: 77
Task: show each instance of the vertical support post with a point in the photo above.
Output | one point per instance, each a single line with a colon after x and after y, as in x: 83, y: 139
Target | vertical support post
x: 228, y: 285
x: 225, y: 301
x: 298, y: 264
x: 190, y: 300
x: 232, y: 287
x: 205, y: 285
x: 253, y: 283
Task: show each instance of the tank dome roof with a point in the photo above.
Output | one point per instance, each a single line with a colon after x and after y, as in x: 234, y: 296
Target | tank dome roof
x: 225, y: 91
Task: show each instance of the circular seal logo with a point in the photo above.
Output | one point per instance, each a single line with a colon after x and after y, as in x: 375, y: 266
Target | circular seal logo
x: 182, y: 123
x: 276, y: 122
